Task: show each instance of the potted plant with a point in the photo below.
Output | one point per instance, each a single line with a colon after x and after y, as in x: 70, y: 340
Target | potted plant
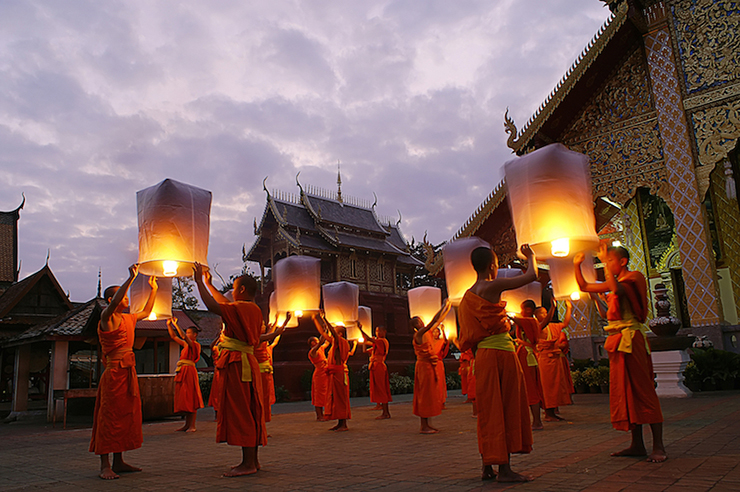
x: 591, y: 378
x: 692, y: 377
x: 578, y: 382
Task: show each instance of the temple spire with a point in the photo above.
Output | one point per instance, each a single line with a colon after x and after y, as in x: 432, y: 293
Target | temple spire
x: 339, y: 182
x: 100, y: 286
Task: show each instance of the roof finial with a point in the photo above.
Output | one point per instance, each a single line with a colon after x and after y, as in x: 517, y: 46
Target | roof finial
x: 339, y: 182
x: 48, y: 254
x: 100, y: 286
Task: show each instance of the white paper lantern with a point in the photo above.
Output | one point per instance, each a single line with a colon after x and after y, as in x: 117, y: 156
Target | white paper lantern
x: 514, y: 298
x: 459, y: 272
x: 277, y: 318
x: 563, y: 278
x: 341, y: 303
x: 424, y: 302
x: 549, y: 192
x: 139, y: 294
x: 298, y: 283
x: 174, y: 224
x: 450, y: 325
x: 365, y: 317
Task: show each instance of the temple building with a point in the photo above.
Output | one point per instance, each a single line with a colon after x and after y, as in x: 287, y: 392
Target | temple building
x: 654, y: 101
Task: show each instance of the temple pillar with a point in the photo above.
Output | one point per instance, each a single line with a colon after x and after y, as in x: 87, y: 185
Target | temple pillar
x: 20, y: 378
x: 697, y: 260
x: 58, y: 376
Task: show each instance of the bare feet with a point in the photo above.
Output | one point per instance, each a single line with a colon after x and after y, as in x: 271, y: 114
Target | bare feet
x: 108, y: 474
x: 488, y: 473
x: 182, y: 429
x: 506, y: 474
x: 382, y: 417
x: 631, y: 451
x: 657, y: 456
x: 240, y: 471
x: 377, y: 406
x: 192, y: 429
x: 122, y: 467
x: 553, y: 418
x: 429, y: 430
x: 538, y: 427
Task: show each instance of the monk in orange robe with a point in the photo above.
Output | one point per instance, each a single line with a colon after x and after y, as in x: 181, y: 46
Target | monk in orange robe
x: 264, y: 357
x: 503, y: 420
x: 441, y: 346
x: 464, y: 371
x: 553, y: 373
x: 527, y: 334
x: 632, y: 398
x: 427, y: 397
x: 117, y: 421
x: 338, y: 407
x: 380, y: 387
x: 241, y: 419
x: 187, y: 388
x: 213, y: 396
x: 320, y: 379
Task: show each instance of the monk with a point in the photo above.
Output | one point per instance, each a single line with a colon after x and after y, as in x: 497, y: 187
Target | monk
x: 265, y: 360
x: 553, y: 373
x: 338, y: 407
x: 187, y: 388
x: 380, y: 387
x: 241, y: 418
x: 503, y: 420
x: 527, y: 333
x: 427, y: 397
x: 213, y: 396
x: 117, y: 420
x: 320, y: 379
x: 464, y: 371
x: 632, y: 398
x: 441, y: 346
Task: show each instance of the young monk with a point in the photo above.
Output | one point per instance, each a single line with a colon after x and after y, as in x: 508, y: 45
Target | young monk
x: 241, y: 419
x: 464, y: 371
x: 264, y: 357
x: 503, y: 420
x: 632, y: 398
x: 320, y: 379
x: 527, y: 333
x: 117, y: 420
x: 427, y: 397
x: 213, y: 396
x: 187, y: 388
x: 338, y: 407
x: 380, y: 387
x: 441, y: 346
x: 555, y: 381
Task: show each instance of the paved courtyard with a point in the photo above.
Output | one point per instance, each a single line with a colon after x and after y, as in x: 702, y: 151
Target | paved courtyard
x: 701, y: 435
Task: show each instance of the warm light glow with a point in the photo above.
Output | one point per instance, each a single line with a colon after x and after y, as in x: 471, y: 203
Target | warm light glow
x: 152, y: 316
x: 169, y: 268
x: 561, y: 247
x: 459, y: 272
x: 424, y: 302
x: 575, y: 296
x: 616, y: 244
x: 514, y: 298
x: 341, y: 305
x: 298, y: 314
x: 139, y: 296
x: 339, y: 323
x: 361, y: 340
x: 297, y: 284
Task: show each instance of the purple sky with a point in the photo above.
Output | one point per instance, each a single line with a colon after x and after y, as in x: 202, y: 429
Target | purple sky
x: 101, y: 99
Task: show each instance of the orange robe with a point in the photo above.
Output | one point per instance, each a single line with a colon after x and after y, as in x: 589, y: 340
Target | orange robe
x: 503, y: 412
x: 264, y: 357
x: 380, y: 387
x: 427, y: 398
x: 464, y: 370
x: 320, y: 379
x: 555, y: 381
x: 565, y: 348
x: 471, y: 380
x: 117, y: 421
x: 441, y: 348
x: 338, y: 405
x: 632, y: 397
x: 241, y: 419
x: 187, y: 388
x: 527, y: 333
x: 213, y: 396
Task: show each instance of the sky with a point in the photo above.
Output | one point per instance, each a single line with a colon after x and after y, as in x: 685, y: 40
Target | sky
x: 101, y: 99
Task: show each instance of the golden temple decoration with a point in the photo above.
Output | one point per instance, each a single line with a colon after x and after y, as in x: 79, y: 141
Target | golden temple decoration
x: 716, y: 129
x: 727, y: 215
x: 713, y: 96
x: 671, y: 257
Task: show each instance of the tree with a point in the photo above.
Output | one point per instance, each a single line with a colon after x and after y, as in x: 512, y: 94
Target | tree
x: 421, y: 275
x: 182, y: 294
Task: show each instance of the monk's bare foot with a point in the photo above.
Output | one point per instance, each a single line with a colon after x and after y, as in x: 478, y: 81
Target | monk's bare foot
x: 334, y: 428
x: 553, y: 418
x: 377, y: 407
x: 182, y: 429
x: 538, y: 427
x: 108, y: 474
x: 488, y: 473
x: 429, y: 430
x: 342, y: 429
x: 382, y: 417
x: 657, y: 456
x: 631, y: 451
x: 240, y: 471
x: 512, y: 476
x: 192, y: 429
x: 323, y: 419
x: 122, y: 467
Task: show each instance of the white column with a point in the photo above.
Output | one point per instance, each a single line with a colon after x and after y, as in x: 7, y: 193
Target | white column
x: 669, y: 366
x: 59, y: 375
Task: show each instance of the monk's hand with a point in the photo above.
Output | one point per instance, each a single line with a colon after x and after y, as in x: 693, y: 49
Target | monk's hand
x: 527, y: 251
x: 133, y: 270
x: 568, y: 302
x: 207, y: 277
x: 197, y: 270
x: 603, y: 247
x: 579, y: 258
x: 153, y: 282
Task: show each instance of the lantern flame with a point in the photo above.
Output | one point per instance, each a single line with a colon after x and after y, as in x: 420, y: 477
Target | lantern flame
x: 575, y: 296
x: 152, y: 316
x: 616, y: 244
x: 299, y: 314
x: 561, y: 247
x: 339, y: 323
x: 169, y: 268
x: 361, y: 340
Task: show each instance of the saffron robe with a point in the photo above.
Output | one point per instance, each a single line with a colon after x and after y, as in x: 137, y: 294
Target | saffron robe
x: 553, y: 374
x: 320, y: 379
x: 527, y: 331
x: 380, y: 387
x: 213, y: 396
x: 117, y: 420
x: 464, y: 370
x: 503, y: 412
x: 338, y: 405
x: 441, y: 347
x: 241, y: 418
x: 263, y: 352
x: 565, y: 348
x: 187, y: 388
x: 632, y: 397
x: 427, y: 398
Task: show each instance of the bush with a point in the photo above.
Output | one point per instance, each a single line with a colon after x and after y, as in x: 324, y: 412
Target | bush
x: 411, y: 371
x: 603, y: 375
x: 581, y: 364
x: 359, y: 381
x: 454, y: 381
x: 204, y: 381
x: 591, y: 376
x: 306, y: 379
x: 713, y: 369
x: 281, y: 394
x: 401, y: 384
x: 577, y: 377
x: 604, y: 362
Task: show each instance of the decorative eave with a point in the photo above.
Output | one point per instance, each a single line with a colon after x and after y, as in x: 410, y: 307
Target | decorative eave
x: 294, y: 241
x: 519, y: 141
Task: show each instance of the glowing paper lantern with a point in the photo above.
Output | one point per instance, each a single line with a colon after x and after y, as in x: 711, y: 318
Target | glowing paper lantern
x: 341, y: 303
x: 562, y: 275
x: 549, y: 193
x: 365, y: 317
x: 459, y: 272
x: 277, y: 318
x: 298, y: 284
x: 139, y: 294
x: 449, y: 324
x: 424, y: 302
x: 514, y: 298
x: 174, y: 223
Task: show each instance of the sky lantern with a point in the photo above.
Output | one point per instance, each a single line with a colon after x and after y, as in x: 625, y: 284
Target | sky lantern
x: 459, y: 272
x: 174, y: 224
x: 549, y: 192
x: 424, y: 302
x: 514, y: 298
x: 277, y: 318
x: 450, y: 325
x: 365, y: 317
x: 139, y: 294
x: 563, y: 278
x: 341, y: 303
x: 298, y: 284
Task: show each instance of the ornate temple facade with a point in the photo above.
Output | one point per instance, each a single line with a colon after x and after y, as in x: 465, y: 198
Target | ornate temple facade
x: 654, y: 101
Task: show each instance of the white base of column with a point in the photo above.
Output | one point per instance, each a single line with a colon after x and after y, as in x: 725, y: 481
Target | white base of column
x: 669, y: 366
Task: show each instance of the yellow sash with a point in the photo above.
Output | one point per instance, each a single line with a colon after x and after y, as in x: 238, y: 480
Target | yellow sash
x: 502, y: 341
x: 184, y: 362
x: 235, y: 345
x: 627, y: 328
x: 266, y: 367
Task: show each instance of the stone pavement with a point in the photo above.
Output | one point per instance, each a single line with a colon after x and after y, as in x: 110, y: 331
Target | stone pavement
x: 701, y: 435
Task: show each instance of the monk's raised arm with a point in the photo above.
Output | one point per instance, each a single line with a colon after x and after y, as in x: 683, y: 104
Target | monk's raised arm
x: 217, y: 296
x: 133, y: 271
x: 144, y: 313
x: 171, y: 327
x: 212, y: 305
